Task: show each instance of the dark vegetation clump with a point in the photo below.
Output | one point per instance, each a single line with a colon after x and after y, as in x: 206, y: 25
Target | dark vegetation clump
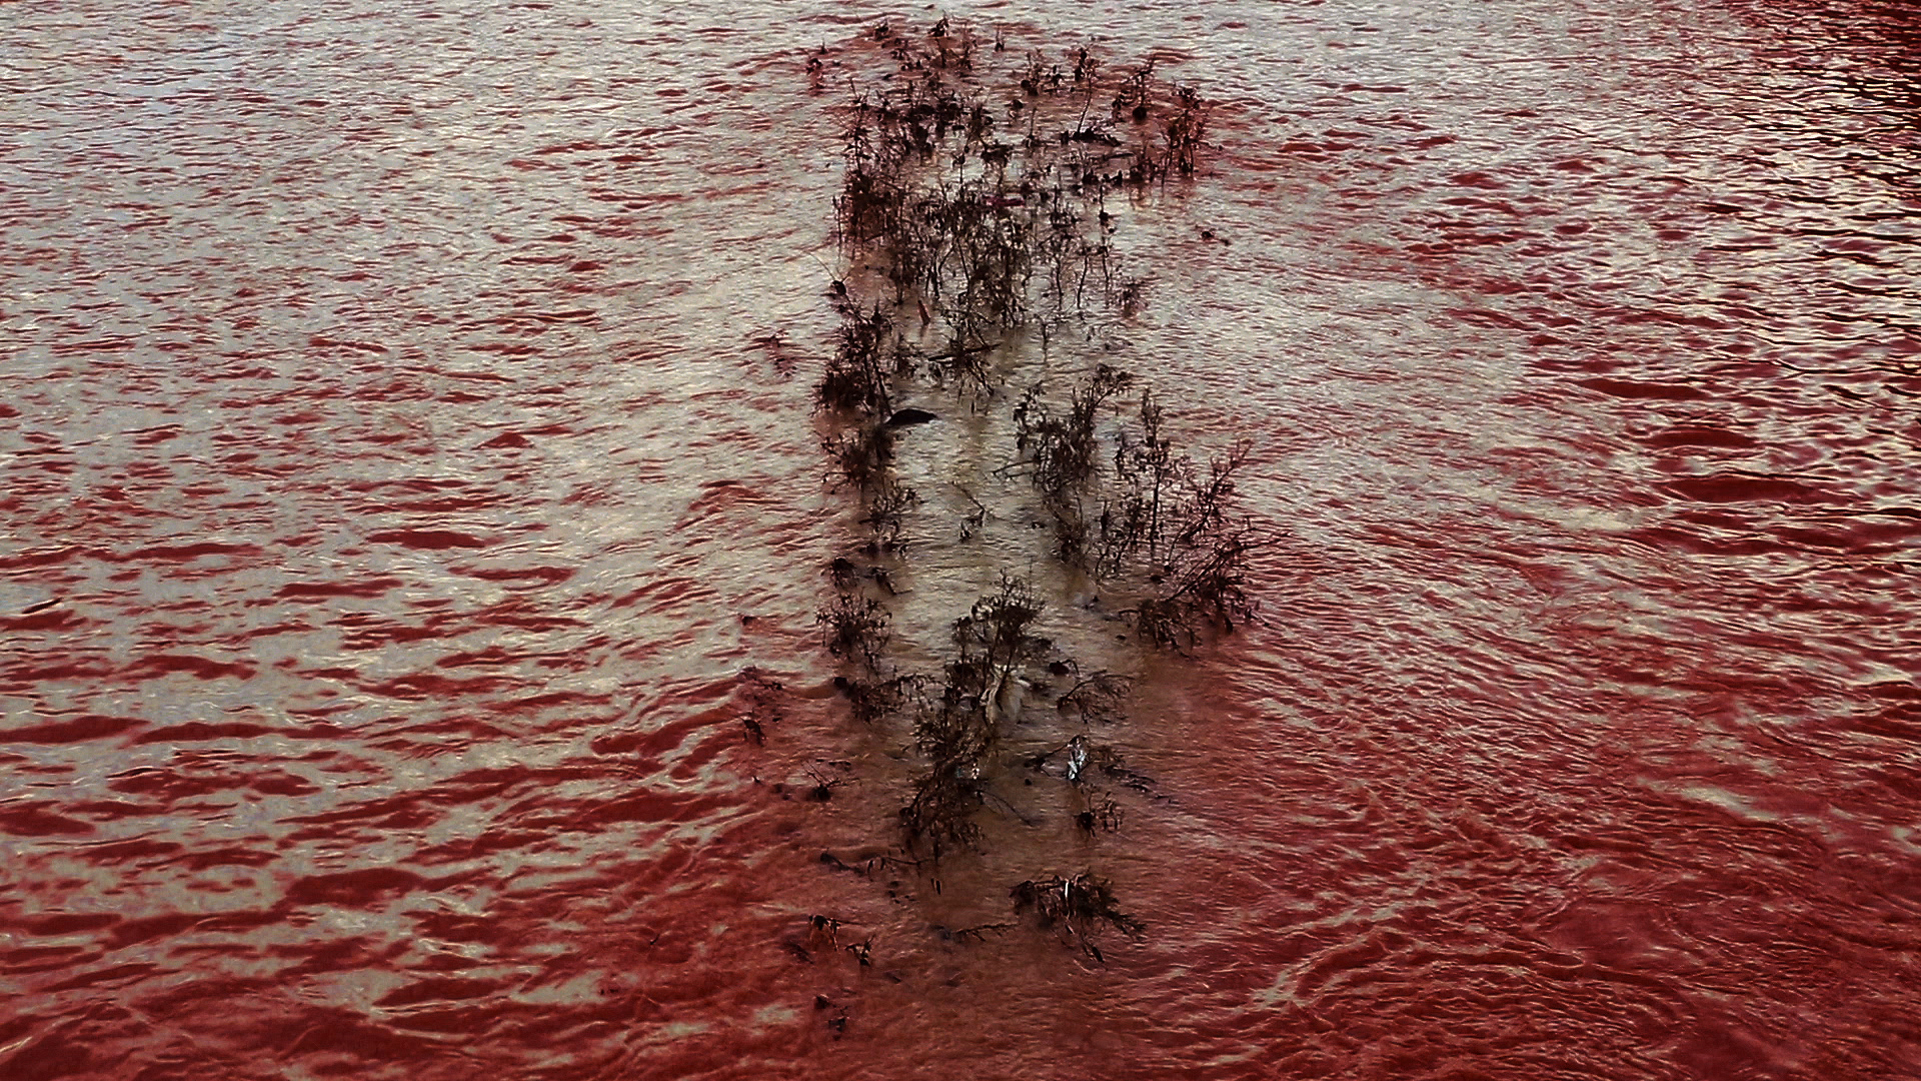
x: 855, y: 628
x: 886, y: 509
x: 1204, y: 586
x: 976, y: 215
x: 939, y: 814
x: 874, y: 700
x: 860, y: 456
x: 964, y: 200
x: 1185, y: 129
x: 1187, y: 523
x: 867, y: 356
x: 1163, y: 520
x: 1080, y: 908
x: 1096, y: 698
x: 1104, y: 816
x: 961, y: 726
x: 847, y: 575
x: 1063, y: 452
x: 994, y: 637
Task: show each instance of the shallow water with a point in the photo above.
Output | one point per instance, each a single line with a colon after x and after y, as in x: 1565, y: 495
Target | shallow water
x: 398, y: 492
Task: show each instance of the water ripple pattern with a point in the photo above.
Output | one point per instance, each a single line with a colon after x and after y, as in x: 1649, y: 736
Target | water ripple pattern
x: 407, y: 485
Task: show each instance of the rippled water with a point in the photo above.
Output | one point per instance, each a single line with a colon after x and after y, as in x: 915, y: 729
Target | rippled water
x: 398, y: 491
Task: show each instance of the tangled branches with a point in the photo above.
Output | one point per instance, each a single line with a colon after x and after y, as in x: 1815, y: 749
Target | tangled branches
x: 1080, y: 908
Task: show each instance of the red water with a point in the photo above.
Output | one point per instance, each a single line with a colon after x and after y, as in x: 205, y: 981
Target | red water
x: 399, y: 502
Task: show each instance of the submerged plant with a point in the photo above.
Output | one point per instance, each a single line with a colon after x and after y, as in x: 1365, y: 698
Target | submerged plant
x: 940, y: 812
x: 854, y: 627
x: 887, y: 506
x: 1080, y: 908
x: 1147, y: 474
x: 1095, y: 698
x: 866, y: 355
x: 959, y: 728
x: 860, y: 455
x: 995, y: 631
x: 873, y: 701
x: 1183, y: 526
x: 973, y: 219
x: 1061, y: 450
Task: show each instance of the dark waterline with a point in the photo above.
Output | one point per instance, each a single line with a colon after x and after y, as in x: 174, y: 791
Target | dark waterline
x: 397, y: 487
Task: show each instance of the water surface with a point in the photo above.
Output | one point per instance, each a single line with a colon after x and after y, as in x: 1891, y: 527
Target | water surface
x: 397, y: 491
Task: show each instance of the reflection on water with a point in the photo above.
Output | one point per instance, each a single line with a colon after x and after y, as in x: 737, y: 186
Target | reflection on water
x: 398, y: 491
